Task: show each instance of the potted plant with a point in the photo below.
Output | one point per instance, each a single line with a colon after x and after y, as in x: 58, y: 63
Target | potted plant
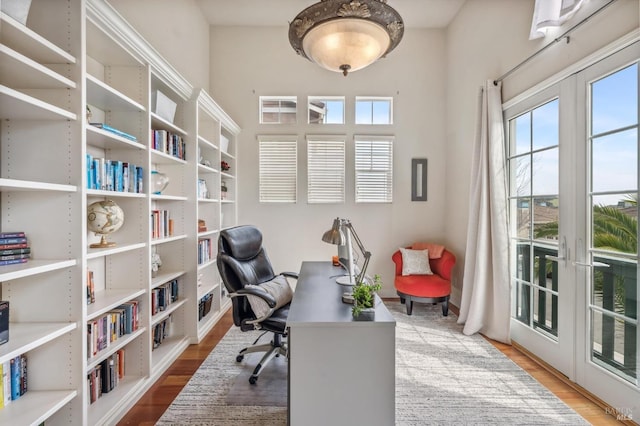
x: 364, y: 299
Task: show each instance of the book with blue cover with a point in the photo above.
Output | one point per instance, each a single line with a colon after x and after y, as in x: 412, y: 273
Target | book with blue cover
x: 115, y: 131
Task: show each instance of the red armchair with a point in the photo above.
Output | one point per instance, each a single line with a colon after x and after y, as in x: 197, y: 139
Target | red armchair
x: 434, y: 288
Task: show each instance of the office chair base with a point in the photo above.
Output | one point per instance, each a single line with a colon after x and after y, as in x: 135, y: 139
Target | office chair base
x: 275, y: 348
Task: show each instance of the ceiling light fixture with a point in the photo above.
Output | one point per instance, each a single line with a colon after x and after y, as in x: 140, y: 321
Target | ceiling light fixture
x: 345, y: 36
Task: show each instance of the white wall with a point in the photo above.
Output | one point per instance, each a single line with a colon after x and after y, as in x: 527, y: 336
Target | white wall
x: 486, y: 39
x: 176, y: 29
x: 253, y: 61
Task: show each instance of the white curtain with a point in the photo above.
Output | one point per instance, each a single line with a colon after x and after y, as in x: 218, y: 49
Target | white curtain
x: 551, y: 13
x: 486, y: 299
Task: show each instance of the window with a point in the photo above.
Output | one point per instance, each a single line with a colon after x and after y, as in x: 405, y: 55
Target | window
x: 326, y: 110
x: 374, y: 169
x: 325, y: 169
x: 278, y: 109
x: 374, y: 110
x: 278, y: 169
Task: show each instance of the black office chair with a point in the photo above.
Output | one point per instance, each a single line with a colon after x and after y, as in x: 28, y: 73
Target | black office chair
x: 243, y: 261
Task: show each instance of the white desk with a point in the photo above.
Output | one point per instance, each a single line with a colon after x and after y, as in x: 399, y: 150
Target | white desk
x: 341, y: 371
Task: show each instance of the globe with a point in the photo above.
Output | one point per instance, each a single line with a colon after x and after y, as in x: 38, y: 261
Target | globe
x: 103, y: 218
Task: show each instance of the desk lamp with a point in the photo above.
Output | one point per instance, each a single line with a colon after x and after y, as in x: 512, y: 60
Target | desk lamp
x: 339, y: 234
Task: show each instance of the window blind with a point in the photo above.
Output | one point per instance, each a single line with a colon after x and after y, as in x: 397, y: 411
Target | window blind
x: 374, y: 170
x: 278, y: 171
x: 325, y: 171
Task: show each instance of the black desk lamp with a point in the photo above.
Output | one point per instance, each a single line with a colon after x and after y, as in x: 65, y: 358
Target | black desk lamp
x: 340, y: 234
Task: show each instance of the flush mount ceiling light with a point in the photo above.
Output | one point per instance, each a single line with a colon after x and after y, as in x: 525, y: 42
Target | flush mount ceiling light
x: 345, y: 36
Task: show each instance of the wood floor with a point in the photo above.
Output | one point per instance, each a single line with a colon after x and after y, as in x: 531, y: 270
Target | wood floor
x: 153, y: 403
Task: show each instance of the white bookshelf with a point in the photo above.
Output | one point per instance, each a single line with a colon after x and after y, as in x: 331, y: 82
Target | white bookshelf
x: 72, y: 54
x: 210, y: 126
x: 40, y: 194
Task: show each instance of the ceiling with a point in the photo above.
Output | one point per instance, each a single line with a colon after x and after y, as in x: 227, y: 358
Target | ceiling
x: 415, y: 13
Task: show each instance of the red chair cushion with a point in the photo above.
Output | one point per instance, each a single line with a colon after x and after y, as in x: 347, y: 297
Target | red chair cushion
x: 423, y: 285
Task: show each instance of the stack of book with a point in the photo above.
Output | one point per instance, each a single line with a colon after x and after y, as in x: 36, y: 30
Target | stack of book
x: 106, y: 329
x: 14, y: 248
x: 161, y: 224
x: 204, y: 305
x: 114, y: 175
x: 205, y: 250
x: 169, y: 143
x: 14, y: 379
x: 164, y: 295
x: 161, y: 331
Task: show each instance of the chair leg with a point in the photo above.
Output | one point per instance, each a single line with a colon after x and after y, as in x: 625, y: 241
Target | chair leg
x: 445, y: 307
x: 409, y: 304
x: 402, y: 300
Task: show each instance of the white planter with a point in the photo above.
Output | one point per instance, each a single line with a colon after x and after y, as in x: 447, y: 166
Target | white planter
x: 17, y: 9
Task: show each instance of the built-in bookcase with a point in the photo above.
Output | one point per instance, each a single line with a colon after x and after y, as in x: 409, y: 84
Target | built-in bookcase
x: 214, y: 138
x: 77, y: 92
x: 41, y: 195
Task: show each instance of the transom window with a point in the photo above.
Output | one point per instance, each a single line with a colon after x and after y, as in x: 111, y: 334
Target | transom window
x: 326, y: 109
x: 374, y: 110
x: 278, y: 109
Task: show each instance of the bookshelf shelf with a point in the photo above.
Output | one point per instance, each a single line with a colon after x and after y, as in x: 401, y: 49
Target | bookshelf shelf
x: 206, y: 142
x: 208, y: 233
x: 107, y: 140
x: 33, y: 267
x: 227, y: 175
x: 15, y: 105
x: 109, y: 404
x: 155, y: 319
x: 208, y: 200
x: 107, y: 98
x: 34, y: 407
x: 160, y: 197
x: 162, y: 278
x: 170, y: 348
x: 206, y: 264
x: 20, y: 71
x: 95, y: 253
x: 28, y: 336
x: 23, y: 39
x: 158, y: 122
x: 168, y: 239
x: 205, y: 289
x: 160, y: 157
x: 24, y: 185
x: 113, y: 347
x: 114, y: 194
x: 109, y: 299
x: 206, y: 169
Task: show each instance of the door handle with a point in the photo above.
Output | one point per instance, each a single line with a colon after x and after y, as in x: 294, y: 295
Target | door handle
x: 594, y: 264
x: 555, y: 258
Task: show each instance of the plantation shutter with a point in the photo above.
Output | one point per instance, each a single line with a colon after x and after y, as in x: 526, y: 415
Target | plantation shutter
x: 325, y: 170
x: 278, y: 170
x: 374, y: 169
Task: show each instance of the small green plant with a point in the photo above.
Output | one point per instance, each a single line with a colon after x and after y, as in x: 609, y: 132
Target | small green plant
x: 364, y: 295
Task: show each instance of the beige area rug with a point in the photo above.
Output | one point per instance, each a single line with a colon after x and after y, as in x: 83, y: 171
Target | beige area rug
x: 442, y: 378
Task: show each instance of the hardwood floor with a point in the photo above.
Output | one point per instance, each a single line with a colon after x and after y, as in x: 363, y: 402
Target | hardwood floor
x: 156, y: 400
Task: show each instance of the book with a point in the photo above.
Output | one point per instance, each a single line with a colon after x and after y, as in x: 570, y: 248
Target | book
x: 115, y: 131
x: 6, y: 381
x: 18, y: 240
x: 8, y: 252
x: 15, y: 377
x: 91, y: 291
x: 13, y: 246
x: 1, y: 386
x: 12, y: 262
x: 12, y: 234
x: 15, y: 256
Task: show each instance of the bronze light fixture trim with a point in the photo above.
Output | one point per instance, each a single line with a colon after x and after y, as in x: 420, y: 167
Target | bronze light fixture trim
x: 345, y: 36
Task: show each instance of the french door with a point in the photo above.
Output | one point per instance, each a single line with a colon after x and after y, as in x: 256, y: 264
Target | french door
x: 573, y: 163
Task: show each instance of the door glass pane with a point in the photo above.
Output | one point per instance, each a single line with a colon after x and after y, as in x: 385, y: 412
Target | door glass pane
x: 534, y: 188
x: 545, y: 125
x: 614, y: 161
x: 615, y: 101
x: 522, y: 134
x: 614, y: 223
x: 545, y: 172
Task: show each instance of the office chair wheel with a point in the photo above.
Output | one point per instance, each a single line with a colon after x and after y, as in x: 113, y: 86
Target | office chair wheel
x: 239, y: 358
x: 253, y: 379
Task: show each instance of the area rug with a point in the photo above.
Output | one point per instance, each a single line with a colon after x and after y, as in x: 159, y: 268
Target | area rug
x: 442, y: 378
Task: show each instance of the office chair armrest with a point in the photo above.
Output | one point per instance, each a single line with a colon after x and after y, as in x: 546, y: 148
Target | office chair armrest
x: 290, y: 274
x: 257, y: 291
